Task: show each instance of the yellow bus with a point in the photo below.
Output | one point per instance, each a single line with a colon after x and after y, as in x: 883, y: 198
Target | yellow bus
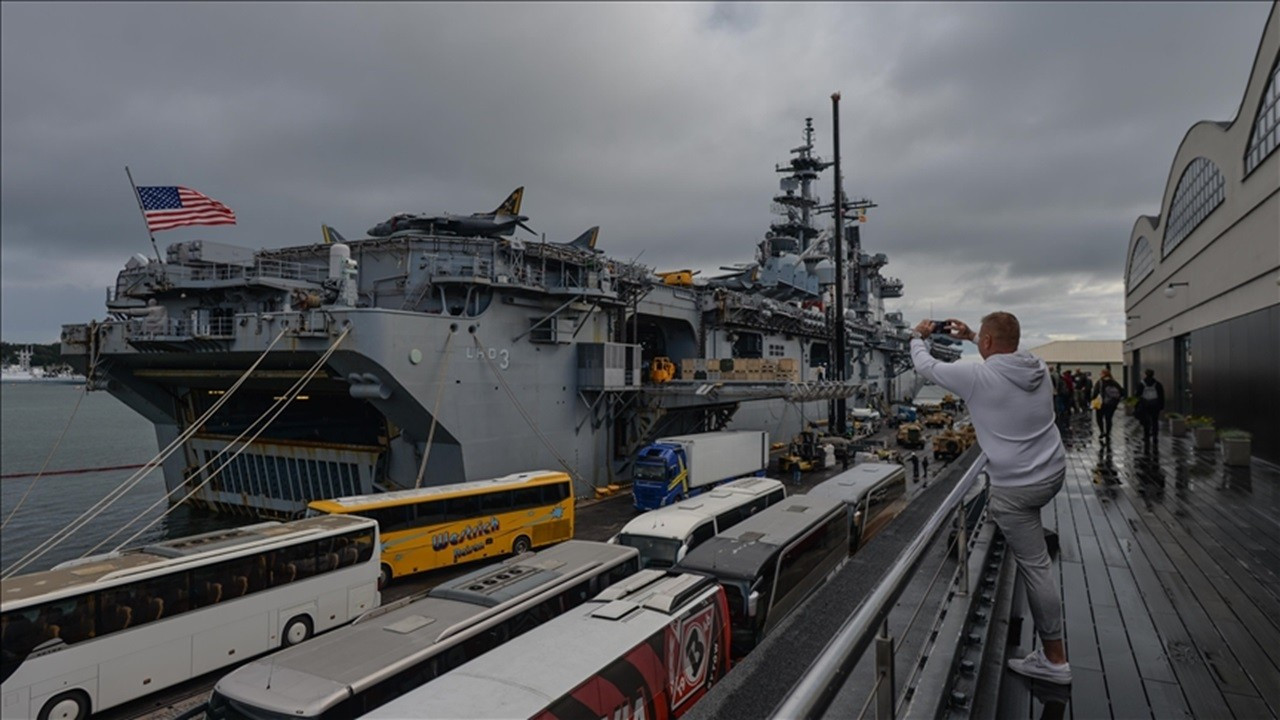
x: 445, y: 525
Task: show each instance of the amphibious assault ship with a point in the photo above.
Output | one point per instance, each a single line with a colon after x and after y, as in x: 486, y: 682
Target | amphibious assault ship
x: 444, y: 348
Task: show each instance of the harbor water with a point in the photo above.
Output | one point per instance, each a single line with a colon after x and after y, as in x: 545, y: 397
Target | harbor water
x: 103, y: 433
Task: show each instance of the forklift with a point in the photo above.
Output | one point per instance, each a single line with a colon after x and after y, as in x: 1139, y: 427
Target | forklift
x: 805, y: 450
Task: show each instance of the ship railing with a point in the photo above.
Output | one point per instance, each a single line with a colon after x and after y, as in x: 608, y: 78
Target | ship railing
x: 900, y: 560
x: 263, y: 268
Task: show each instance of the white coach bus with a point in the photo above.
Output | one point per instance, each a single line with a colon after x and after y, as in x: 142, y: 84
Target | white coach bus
x: 396, y: 648
x: 94, y: 633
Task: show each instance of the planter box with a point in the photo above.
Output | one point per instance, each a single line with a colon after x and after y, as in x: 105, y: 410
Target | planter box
x: 1178, y: 427
x: 1236, y: 452
x: 1205, y: 438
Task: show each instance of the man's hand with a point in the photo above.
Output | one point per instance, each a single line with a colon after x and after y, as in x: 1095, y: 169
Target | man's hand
x: 924, y: 329
x: 961, y: 330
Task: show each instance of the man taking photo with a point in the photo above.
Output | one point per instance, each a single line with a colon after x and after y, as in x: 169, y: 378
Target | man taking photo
x: 1010, y: 400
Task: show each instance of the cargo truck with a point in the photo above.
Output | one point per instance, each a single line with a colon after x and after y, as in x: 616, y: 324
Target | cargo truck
x: 674, y: 468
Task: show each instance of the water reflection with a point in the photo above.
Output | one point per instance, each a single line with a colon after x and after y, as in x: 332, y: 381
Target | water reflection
x: 1150, y: 475
x: 1106, y: 478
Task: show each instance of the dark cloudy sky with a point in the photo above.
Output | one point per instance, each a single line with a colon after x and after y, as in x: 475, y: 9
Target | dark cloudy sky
x: 1010, y: 146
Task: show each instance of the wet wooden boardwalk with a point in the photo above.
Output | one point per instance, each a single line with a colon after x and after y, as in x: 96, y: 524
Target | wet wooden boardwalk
x: 1170, y: 576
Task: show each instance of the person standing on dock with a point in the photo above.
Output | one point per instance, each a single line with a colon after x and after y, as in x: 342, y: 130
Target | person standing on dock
x: 1110, y: 393
x: 1150, y: 405
x: 1010, y: 399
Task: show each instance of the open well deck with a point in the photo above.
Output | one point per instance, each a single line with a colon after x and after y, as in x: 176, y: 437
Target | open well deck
x: 1170, y: 575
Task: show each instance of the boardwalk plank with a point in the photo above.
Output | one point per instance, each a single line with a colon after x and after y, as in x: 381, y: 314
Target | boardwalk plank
x: 1204, y: 634
x: 1120, y: 669
x: 1088, y: 694
x: 1255, y: 662
x: 1167, y: 701
x: 1082, y: 643
x: 1198, y: 684
x: 1148, y: 651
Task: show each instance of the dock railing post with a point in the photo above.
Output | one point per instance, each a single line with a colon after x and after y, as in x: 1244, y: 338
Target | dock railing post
x: 884, y: 671
x: 962, y: 549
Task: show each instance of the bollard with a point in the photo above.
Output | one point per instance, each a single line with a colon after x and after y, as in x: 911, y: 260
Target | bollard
x: 884, y: 668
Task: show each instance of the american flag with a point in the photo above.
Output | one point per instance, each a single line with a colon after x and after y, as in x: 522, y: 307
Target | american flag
x: 168, y: 207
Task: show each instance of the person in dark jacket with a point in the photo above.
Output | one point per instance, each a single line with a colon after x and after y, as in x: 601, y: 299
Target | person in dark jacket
x: 1150, y: 405
x: 1110, y: 393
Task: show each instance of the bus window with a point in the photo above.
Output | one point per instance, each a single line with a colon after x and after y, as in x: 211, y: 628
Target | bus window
x: 701, y: 534
x: 428, y: 513
x: 495, y: 502
x: 526, y: 498
x: 462, y: 508
x: 555, y: 493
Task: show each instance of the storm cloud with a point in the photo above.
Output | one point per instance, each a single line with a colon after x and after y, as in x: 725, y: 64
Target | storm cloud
x: 1010, y: 147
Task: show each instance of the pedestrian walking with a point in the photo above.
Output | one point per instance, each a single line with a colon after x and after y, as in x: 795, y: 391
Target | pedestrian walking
x: 1009, y: 399
x: 925, y: 464
x: 915, y: 467
x: 1068, y: 391
x: 1150, y: 405
x: 1106, y: 397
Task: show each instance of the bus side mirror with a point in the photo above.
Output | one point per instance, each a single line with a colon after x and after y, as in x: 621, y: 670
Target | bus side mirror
x: 684, y: 550
x: 753, y: 603
x: 613, y: 540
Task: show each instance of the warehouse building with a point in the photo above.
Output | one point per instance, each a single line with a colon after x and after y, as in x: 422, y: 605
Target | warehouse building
x: 1202, y: 278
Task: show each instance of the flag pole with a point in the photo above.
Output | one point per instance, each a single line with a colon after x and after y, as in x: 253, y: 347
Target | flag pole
x: 137, y: 196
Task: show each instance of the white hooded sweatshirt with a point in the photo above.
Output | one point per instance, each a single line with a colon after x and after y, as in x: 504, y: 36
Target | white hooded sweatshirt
x: 1010, y: 400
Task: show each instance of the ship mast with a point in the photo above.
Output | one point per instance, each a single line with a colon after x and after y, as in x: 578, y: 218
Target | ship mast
x: 797, y: 210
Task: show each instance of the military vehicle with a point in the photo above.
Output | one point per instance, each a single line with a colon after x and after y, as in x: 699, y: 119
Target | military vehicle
x: 911, y: 435
x: 937, y: 420
x: 947, y: 445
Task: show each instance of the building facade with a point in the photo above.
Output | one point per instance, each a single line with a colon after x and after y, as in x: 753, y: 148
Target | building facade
x: 1202, y: 279
x: 1088, y: 356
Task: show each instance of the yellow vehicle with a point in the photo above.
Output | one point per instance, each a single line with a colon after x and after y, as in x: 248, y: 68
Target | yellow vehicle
x: 806, y: 451
x: 445, y: 525
x: 938, y: 419
x: 681, y: 278
x: 911, y: 435
x: 661, y: 370
x: 947, y: 445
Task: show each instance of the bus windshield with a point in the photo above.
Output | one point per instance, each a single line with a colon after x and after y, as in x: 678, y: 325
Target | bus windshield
x: 654, y: 552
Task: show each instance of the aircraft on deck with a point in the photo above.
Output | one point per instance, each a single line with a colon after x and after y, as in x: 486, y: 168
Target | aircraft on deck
x: 502, y: 221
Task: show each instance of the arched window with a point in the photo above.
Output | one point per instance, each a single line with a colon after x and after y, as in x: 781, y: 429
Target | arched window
x: 1200, y: 190
x: 1266, y: 129
x: 1141, y: 263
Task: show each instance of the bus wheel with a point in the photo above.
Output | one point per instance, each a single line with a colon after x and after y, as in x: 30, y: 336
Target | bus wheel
x: 521, y: 545
x: 72, y: 705
x: 296, y: 630
x: 384, y: 576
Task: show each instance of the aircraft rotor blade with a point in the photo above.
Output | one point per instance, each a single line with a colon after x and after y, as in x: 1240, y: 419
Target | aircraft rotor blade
x: 526, y: 227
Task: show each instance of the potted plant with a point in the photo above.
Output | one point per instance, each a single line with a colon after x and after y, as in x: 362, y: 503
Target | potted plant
x: 1177, y: 424
x: 1237, y: 447
x: 1130, y: 404
x: 1202, y: 430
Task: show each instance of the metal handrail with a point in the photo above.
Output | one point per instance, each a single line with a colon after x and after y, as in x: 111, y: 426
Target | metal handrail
x: 829, y: 671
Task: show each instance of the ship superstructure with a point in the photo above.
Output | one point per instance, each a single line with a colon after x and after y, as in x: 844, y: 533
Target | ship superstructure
x: 450, y: 357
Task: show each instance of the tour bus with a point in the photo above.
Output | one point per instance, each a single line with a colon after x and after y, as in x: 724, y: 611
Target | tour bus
x: 444, y: 525
x: 664, y: 535
x: 770, y: 562
x: 649, y: 647
x: 875, y: 493
x: 394, y: 649
x: 94, y: 633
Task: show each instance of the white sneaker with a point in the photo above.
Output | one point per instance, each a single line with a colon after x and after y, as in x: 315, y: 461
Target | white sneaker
x: 1038, y: 667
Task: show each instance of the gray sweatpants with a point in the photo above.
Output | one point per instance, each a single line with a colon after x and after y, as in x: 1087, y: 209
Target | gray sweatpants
x: 1017, y: 512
